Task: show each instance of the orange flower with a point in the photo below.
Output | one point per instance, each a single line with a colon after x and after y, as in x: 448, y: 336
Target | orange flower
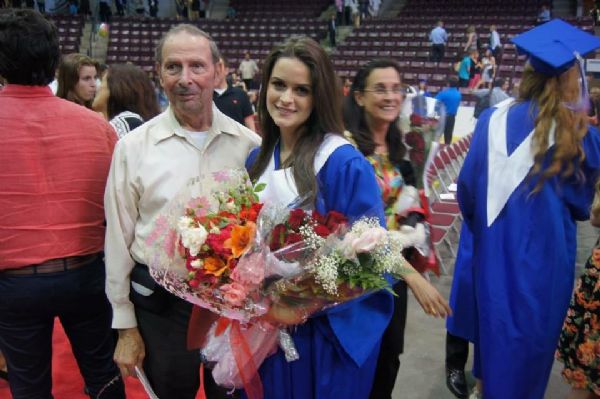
x: 586, y: 353
x: 214, y: 266
x: 578, y: 379
x: 241, y: 239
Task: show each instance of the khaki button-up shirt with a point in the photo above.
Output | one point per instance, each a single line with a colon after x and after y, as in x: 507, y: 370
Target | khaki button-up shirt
x: 150, y: 166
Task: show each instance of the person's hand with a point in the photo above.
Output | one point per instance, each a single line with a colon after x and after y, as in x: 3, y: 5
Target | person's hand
x: 432, y: 302
x: 289, y: 315
x: 130, y: 351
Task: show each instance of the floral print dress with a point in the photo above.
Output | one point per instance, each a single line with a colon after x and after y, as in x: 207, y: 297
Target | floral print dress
x: 390, y: 182
x: 579, y: 343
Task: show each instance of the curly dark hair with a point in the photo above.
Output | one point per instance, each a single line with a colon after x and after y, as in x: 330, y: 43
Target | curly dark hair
x: 29, y: 51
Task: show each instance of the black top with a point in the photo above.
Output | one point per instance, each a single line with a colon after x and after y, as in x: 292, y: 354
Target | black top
x: 234, y: 103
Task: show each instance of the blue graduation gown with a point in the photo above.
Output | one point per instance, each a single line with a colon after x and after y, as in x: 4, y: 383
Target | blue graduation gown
x: 339, y: 348
x: 462, y: 295
x: 523, y: 263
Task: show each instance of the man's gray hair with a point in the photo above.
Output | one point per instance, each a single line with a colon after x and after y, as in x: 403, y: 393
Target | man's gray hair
x: 192, y: 30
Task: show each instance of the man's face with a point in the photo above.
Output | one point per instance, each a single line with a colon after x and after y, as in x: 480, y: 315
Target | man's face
x: 187, y: 73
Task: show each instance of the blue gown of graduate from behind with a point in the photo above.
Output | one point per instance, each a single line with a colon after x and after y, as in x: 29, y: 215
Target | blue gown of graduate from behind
x: 523, y: 264
x: 339, y: 349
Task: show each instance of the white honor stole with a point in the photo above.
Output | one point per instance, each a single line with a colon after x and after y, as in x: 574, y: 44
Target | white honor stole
x: 505, y: 173
x: 280, y: 183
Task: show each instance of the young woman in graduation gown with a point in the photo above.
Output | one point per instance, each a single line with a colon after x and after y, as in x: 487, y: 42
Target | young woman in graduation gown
x: 304, y: 155
x: 528, y: 176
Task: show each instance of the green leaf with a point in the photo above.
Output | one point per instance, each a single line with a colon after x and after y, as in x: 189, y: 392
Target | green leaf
x: 259, y: 187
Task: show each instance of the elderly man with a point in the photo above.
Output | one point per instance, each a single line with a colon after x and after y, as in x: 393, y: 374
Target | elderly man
x: 150, y: 166
x: 54, y: 160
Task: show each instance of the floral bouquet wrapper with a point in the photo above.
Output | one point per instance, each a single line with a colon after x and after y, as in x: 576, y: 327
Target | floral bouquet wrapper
x: 195, y: 248
x: 312, y: 262
x: 262, y: 268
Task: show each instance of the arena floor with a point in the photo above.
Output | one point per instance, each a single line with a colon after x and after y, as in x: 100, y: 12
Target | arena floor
x: 422, y: 374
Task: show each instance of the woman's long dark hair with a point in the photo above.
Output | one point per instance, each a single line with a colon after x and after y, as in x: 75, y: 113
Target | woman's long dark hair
x: 130, y: 90
x: 325, y: 117
x: 355, y: 118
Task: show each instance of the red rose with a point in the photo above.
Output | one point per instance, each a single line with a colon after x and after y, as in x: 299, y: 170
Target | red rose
x: 334, y: 220
x: 296, y: 219
x: 227, y: 215
x: 417, y: 157
x: 318, y: 217
x: 216, y: 241
x: 278, y: 236
x: 194, y: 283
x: 416, y: 120
x: 292, y: 238
x: 321, y: 230
x: 251, y: 214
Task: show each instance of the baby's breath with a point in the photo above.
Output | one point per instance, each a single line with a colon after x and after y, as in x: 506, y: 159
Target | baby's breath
x: 311, y: 239
x: 325, y: 271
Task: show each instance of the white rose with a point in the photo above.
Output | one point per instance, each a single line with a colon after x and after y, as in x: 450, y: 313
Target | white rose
x: 193, y: 239
x: 369, y: 239
x: 184, y: 223
x: 230, y: 206
x: 196, y: 264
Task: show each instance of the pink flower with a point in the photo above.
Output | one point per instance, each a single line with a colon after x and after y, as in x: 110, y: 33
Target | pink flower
x: 199, y: 205
x: 221, y: 176
x: 234, y: 293
x: 368, y: 240
x: 250, y: 270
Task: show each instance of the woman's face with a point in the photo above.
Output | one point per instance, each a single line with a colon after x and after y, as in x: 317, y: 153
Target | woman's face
x: 289, y: 95
x: 101, y: 101
x: 382, y: 96
x: 85, y: 89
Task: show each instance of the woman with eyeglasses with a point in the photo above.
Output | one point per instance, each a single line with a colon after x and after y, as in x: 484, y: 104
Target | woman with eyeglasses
x: 371, y: 114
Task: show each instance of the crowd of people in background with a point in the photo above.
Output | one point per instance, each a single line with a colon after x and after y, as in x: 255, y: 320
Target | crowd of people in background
x: 302, y: 108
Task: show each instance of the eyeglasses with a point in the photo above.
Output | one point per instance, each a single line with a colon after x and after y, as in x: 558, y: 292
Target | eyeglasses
x: 382, y: 91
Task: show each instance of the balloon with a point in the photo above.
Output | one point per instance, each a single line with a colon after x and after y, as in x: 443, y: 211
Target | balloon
x: 103, y: 30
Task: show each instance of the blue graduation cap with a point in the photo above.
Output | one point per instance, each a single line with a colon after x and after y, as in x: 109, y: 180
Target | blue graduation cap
x: 553, y: 47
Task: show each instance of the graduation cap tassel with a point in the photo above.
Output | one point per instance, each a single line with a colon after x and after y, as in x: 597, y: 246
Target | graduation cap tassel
x: 583, y: 104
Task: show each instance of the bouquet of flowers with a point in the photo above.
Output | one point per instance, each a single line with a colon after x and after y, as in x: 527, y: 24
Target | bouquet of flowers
x: 426, y: 125
x: 195, y: 249
x: 262, y: 267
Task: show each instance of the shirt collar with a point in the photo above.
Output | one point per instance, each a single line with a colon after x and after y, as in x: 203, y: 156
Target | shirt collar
x: 172, y: 127
x: 14, y: 90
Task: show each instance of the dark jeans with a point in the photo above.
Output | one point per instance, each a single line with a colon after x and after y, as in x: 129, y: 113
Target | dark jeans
x: 449, y: 128
x: 28, y: 306
x: 173, y: 371
x: 392, y: 345
x: 437, y: 52
x: 332, y: 38
x: 457, y: 352
x: 249, y: 84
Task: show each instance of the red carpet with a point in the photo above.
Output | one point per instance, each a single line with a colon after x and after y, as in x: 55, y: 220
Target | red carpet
x: 66, y: 380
